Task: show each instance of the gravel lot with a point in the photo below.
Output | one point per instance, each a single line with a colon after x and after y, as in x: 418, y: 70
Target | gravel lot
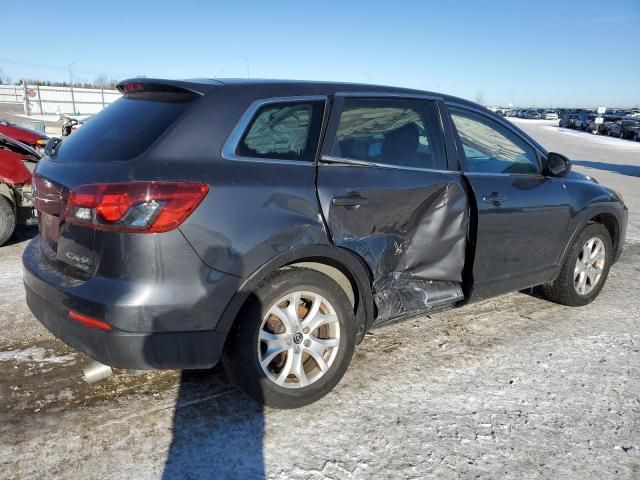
x: 515, y: 387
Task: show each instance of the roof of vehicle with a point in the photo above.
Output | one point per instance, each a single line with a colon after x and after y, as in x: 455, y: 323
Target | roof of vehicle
x: 294, y: 87
x: 261, y: 88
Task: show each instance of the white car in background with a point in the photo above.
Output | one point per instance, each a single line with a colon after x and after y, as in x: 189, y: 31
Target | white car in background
x: 549, y: 115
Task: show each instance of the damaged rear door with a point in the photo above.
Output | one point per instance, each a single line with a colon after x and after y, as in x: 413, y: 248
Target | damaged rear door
x: 389, y: 193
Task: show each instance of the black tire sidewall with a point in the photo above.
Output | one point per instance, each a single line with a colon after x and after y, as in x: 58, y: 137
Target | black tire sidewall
x: 590, y: 231
x: 7, y: 220
x: 241, y: 354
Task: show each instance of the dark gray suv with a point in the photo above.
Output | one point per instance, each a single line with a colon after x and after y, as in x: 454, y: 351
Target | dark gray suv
x: 272, y: 223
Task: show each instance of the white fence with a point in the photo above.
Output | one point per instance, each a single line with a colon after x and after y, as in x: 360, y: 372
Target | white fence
x: 42, y: 100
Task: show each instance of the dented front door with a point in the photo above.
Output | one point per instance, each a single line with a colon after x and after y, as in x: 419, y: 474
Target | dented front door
x: 398, y: 204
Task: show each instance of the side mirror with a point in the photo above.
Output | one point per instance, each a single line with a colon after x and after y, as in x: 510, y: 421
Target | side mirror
x: 557, y: 165
x: 50, y: 147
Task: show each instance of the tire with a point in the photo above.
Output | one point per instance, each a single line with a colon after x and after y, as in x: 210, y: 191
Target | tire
x: 7, y: 220
x: 563, y: 289
x: 622, y: 134
x: 244, y: 351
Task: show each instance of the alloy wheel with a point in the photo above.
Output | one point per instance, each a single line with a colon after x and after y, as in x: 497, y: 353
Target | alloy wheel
x: 298, y: 339
x: 589, y: 266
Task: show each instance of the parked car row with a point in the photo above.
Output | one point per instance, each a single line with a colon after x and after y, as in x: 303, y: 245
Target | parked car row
x: 615, y: 123
x: 619, y: 124
x: 531, y: 113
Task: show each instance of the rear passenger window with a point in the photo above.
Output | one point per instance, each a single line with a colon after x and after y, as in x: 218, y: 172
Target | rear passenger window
x: 286, y: 131
x: 399, y: 132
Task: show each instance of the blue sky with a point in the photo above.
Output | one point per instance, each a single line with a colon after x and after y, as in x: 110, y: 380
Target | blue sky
x: 559, y: 53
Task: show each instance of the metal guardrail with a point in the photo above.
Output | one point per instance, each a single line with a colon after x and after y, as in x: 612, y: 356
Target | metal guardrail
x: 46, y: 100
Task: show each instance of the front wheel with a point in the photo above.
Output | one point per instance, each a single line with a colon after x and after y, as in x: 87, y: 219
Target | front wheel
x: 585, y: 268
x: 293, y: 340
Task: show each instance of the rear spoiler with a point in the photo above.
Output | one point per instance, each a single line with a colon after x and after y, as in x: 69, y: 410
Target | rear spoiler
x: 169, y: 86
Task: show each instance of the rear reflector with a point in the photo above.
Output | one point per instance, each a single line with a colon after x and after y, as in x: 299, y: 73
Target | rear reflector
x: 140, y: 207
x: 88, y: 321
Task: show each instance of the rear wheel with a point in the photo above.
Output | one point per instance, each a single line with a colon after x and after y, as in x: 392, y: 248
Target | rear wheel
x: 585, y: 268
x: 293, y: 340
x: 7, y: 220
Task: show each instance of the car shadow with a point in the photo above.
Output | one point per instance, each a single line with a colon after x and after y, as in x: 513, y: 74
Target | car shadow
x: 630, y: 170
x: 22, y: 233
x: 217, y: 430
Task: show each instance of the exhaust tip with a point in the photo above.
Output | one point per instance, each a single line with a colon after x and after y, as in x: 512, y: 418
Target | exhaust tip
x: 96, y: 371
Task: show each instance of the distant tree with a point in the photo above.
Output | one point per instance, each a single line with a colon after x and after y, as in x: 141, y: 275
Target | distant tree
x: 104, y: 81
x: 101, y: 80
x: 4, y: 79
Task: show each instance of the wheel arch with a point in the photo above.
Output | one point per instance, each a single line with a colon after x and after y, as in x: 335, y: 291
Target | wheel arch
x: 611, y: 224
x: 348, y: 270
x: 605, y: 216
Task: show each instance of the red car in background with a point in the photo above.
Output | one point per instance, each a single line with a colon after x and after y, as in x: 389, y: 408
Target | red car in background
x: 17, y: 163
x: 23, y: 135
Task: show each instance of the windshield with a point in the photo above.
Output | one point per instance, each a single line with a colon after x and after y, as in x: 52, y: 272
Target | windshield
x: 125, y: 129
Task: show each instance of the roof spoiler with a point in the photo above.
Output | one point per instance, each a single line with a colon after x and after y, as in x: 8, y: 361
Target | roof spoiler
x: 132, y: 85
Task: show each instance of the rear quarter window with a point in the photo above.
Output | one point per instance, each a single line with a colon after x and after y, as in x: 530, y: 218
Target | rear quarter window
x: 125, y: 129
x: 283, y: 131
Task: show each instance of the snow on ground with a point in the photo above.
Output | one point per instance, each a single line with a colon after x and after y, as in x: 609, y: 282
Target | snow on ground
x: 35, y: 355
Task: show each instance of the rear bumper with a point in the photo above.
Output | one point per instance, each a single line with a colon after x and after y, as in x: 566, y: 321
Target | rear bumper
x: 138, y: 339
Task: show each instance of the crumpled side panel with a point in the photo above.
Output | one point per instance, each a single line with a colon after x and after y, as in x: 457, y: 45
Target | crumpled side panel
x: 401, y: 295
x: 409, y: 225
x: 421, y: 232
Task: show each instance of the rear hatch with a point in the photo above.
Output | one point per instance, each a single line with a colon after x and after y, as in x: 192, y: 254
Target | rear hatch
x: 101, y: 152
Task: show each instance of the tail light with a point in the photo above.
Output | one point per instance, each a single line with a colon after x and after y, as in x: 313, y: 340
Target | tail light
x: 142, y: 207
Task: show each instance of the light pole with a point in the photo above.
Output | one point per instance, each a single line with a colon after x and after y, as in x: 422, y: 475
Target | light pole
x: 246, y: 61
x: 73, y: 100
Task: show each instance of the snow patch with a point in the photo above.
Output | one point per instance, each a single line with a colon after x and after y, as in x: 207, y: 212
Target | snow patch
x: 35, y: 355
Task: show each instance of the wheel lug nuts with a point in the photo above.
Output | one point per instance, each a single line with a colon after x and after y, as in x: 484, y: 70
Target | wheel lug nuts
x: 296, y: 349
x: 307, y: 343
x: 305, y: 330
